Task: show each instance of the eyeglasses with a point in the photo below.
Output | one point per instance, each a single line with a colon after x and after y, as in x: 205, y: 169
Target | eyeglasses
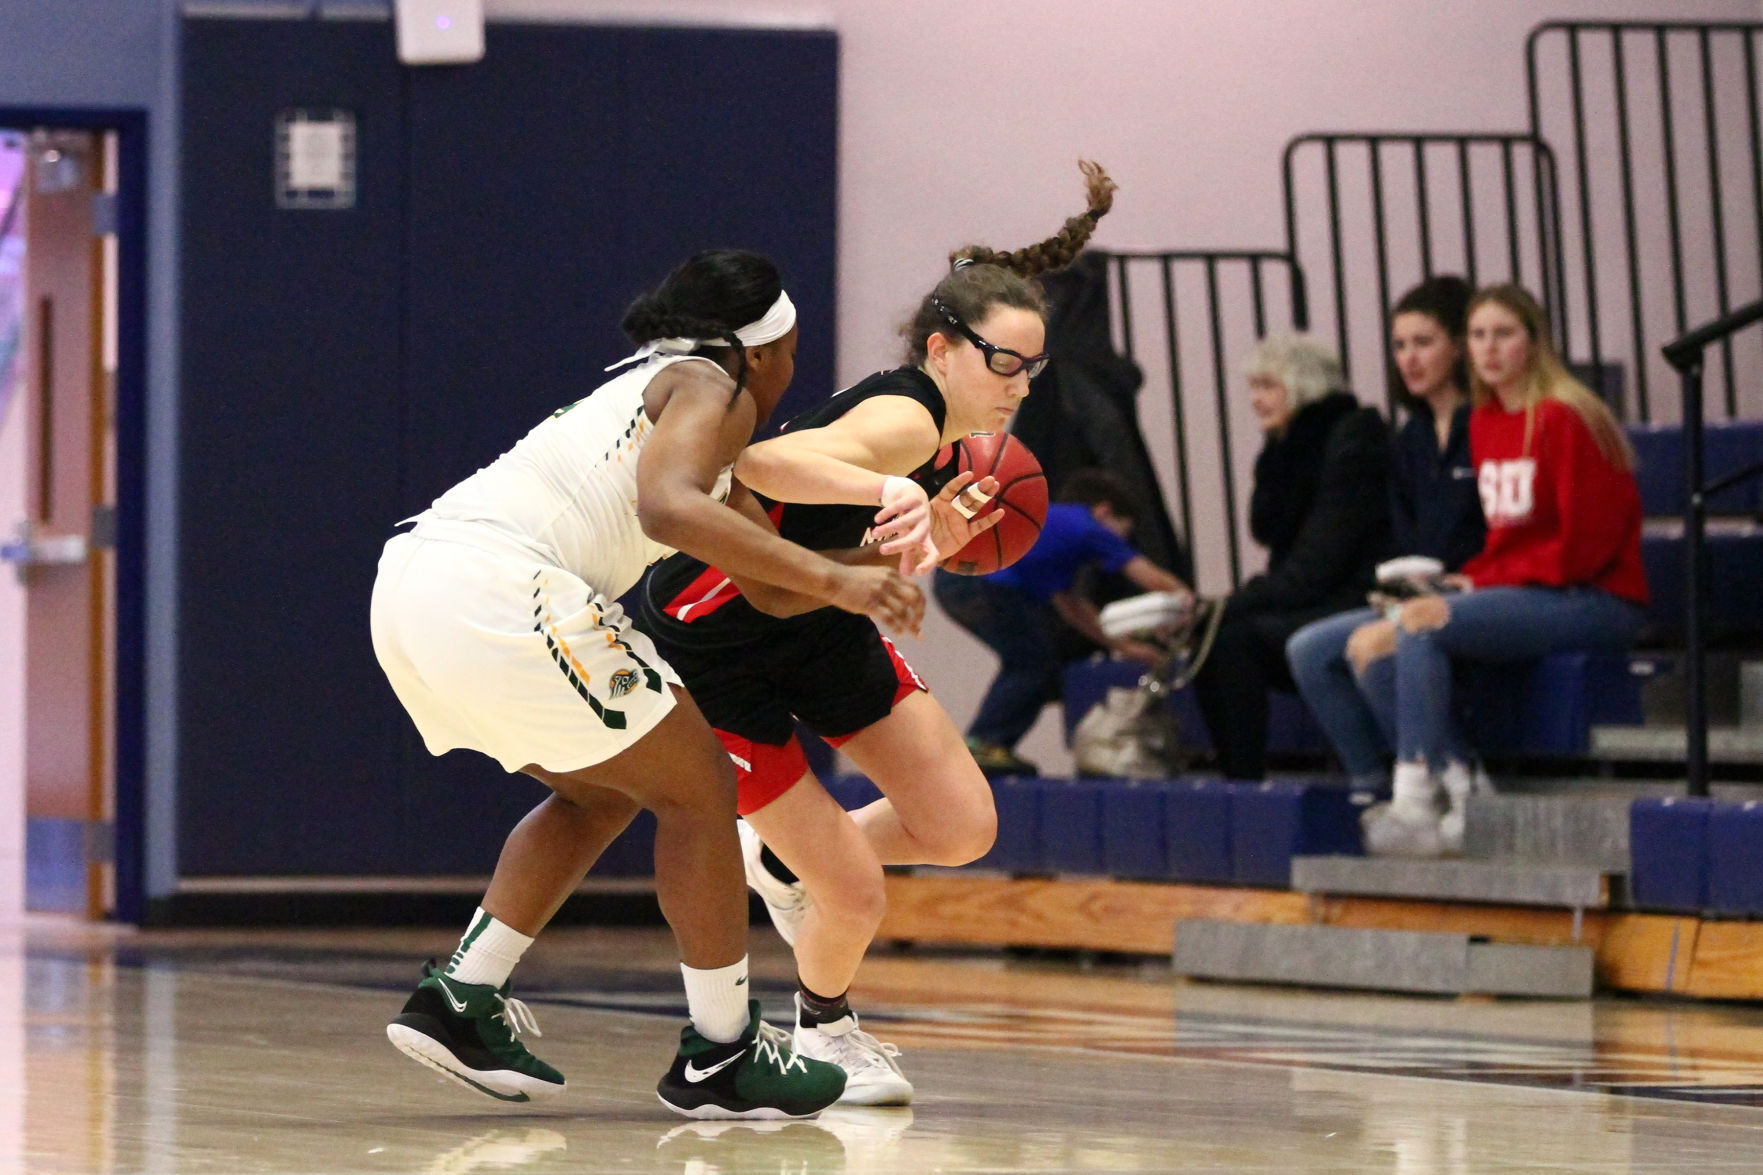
x: 1000, y: 360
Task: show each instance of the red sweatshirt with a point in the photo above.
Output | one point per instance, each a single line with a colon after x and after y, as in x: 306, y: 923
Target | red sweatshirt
x: 1559, y: 515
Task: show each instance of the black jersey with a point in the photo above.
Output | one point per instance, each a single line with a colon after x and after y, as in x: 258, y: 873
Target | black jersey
x: 690, y: 603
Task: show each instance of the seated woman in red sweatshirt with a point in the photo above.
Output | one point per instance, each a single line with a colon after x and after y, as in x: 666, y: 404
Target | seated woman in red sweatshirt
x: 1560, y: 570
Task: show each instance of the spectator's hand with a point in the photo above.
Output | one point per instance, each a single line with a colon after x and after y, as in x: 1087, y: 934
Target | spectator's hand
x: 1424, y: 613
x: 1456, y: 582
x: 955, y: 518
x: 1141, y: 651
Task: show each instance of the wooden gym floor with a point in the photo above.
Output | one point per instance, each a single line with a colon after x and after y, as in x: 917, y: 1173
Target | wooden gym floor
x: 264, y: 1052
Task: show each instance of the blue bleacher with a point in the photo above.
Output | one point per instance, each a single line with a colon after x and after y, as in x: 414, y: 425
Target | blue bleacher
x: 1728, y: 445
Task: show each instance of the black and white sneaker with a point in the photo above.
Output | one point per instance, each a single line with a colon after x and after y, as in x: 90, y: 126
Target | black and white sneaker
x: 758, y: 1075
x: 466, y: 1031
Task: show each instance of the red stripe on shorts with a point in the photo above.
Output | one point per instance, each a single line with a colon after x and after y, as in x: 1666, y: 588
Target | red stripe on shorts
x: 762, y: 772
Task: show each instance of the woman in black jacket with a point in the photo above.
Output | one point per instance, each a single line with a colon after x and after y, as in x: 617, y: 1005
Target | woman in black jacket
x: 1320, y: 507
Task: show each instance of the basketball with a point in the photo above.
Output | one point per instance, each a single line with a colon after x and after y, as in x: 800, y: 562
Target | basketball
x: 1022, y: 496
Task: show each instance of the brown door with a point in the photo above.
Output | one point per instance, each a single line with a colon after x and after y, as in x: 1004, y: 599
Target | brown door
x: 64, y: 399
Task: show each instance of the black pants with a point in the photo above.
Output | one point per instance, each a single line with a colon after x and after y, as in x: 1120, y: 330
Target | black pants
x: 1248, y: 659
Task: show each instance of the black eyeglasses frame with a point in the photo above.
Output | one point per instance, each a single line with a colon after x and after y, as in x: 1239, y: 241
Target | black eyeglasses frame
x: 1033, y: 364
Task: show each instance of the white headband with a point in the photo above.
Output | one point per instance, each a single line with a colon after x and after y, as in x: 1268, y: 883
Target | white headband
x: 769, y: 328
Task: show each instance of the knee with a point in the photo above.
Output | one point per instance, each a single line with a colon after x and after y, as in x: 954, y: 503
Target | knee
x: 962, y: 834
x: 707, y: 792
x: 1369, y: 643
x: 856, y: 902
x: 1307, y: 651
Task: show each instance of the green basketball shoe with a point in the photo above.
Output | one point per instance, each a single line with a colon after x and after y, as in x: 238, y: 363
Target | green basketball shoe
x: 759, y: 1075
x: 467, y: 1032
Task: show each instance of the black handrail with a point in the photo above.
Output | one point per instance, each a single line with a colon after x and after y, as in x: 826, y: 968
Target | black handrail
x: 1685, y: 355
x: 1255, y: 262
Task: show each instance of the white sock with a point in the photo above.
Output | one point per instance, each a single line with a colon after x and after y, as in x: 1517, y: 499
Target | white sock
x: 717, y: 1000
x: 1413, y: 789
x: 1457, y: 781
x: 488, y: 952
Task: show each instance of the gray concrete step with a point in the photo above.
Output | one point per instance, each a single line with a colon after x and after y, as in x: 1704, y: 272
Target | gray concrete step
x: 1519, y: 883
x: 1379, y: 960
x: 1559, y: 829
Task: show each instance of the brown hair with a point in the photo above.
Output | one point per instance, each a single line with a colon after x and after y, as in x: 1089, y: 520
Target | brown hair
x: 1546, y: 377
x: 983, y: 278
x: 1444, y: 298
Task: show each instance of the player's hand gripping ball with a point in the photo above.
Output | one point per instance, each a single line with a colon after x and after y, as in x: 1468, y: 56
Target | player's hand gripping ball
x: 1020, y: 501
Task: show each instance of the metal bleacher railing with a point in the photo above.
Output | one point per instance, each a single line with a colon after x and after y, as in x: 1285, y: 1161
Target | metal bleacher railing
x: 1687, y: 354
x: 1663, y: 123
x: 1653, y: 220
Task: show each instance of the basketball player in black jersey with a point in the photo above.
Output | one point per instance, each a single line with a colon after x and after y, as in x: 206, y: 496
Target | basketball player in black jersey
x: 973, y: 345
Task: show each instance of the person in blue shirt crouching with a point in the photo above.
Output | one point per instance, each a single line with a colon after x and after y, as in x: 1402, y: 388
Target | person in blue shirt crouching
x: 1019, y: 610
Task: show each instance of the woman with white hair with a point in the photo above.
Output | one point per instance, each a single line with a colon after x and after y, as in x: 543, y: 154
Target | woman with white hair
x: 1320, y: 507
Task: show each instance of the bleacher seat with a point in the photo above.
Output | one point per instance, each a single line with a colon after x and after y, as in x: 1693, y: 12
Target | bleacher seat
x: 1668, y: 847
x: 1734, y: 585
x: 1728, y: 445
x: 1270, y: 823
x: 1735, y: 866
x: 1556, y: 702
x: 1549, y: 706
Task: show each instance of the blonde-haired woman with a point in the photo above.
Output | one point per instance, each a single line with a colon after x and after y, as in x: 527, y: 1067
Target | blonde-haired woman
x: 1320, y: 506
x: 1560, y: 571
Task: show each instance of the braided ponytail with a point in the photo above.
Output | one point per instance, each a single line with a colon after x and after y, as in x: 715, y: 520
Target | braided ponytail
x: 1061, y: 249
x: 983, y: 278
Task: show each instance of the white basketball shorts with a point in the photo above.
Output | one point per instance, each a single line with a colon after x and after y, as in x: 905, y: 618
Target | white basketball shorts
x: 520, y: 660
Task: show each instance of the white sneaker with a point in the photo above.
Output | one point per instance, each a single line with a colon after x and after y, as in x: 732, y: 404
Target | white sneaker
x: 1401, y: 831
x: 872, y: 1076
x: 1459, y: 783
x: 786, y: 901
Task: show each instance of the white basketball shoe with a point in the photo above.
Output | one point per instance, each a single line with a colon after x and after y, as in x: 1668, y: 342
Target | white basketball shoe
x: 786, y: 901
x: 872, y: 1075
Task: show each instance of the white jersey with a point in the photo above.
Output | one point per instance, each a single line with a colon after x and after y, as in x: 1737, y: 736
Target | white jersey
x: 566, y: 494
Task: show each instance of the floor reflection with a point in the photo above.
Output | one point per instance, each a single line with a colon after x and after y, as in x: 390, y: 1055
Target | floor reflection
x: 173, y: 1054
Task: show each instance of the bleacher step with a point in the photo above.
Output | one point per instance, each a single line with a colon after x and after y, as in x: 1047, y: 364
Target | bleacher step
x: 1563, y: 829
x: 1501, y: 882
x: 1669, y: 744
x: 1379, y: 960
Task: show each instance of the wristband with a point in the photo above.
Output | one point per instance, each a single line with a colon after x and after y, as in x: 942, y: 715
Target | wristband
x: 892, y: 487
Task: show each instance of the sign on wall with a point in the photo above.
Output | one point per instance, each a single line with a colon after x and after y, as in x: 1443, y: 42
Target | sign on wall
x: 315, y: 159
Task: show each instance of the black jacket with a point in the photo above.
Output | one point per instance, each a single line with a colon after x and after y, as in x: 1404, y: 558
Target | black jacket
x: 1321, y: 508
x: 1435, y: 507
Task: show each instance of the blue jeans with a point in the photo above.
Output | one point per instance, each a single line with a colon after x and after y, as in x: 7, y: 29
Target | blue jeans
x: 1356, y: 711
x: 1494, y: 625
x: 1023, y: 632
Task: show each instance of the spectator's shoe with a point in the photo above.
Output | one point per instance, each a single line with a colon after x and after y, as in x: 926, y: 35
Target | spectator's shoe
x: 872, y: 1076
x: 756, y: 1076
x: 1399, y: 830
x: 466, y: 1031
x: 996, y: 760
x: 786, y: 901
x: 1459, y: 783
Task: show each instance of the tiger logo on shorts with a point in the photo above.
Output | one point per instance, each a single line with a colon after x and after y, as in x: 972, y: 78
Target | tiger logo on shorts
x: 621, y: 683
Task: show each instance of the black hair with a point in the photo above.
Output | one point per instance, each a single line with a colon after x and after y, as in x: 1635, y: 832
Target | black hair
x: 1097, y: 487
x: 1444, y: 298
x: 710, y: 296
x: 984, y: 278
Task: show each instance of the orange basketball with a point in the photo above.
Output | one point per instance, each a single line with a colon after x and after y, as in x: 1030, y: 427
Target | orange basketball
x: 1022, y: 496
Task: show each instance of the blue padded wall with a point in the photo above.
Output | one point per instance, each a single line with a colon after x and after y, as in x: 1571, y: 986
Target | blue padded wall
x: 341, y: 368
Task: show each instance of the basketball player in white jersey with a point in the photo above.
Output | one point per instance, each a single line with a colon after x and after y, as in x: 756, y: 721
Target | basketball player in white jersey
x: 495, y: 621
